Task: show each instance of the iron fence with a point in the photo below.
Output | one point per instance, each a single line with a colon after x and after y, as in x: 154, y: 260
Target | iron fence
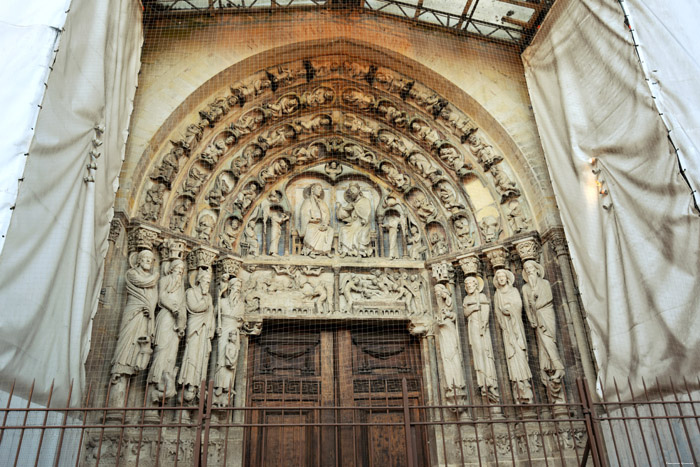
x: 649, y: 430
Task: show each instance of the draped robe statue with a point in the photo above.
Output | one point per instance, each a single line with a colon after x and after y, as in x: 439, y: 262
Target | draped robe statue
x: 540, y: 312
x: 170, y: 327
x: 136, y: 332
x: 200, y: 331
x: 476, y: 310
x: 314, y: 220
x: 230, y: 310
x: 354, y: 236
x: 449, y: 344
x: 508, y: 307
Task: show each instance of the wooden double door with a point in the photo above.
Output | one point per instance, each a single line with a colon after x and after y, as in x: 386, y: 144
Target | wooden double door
x: 332, y: 395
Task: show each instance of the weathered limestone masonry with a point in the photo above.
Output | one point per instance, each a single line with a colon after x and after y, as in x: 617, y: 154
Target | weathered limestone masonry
x: 287, y: 170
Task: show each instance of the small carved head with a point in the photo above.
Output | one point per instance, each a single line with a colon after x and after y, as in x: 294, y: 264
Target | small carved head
x: 145, y: 259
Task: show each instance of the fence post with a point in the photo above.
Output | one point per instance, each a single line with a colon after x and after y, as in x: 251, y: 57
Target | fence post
x: 197, y: 452
x: 595, y: 441
x: 407, y: 424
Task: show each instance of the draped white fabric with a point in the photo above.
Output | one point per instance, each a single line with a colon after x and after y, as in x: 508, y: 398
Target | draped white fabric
x: 638, y: 260
x: 52, y: 263
x: 29, y: 33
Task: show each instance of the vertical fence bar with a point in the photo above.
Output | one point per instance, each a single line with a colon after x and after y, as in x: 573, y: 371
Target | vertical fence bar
x: 65, y: 419
x: 610, y: 425
x: 639, y: 421
x: 685, y: 427
x: 207, y: 422
x: 26, y: 414
x: 624, y: 423
x: 591, y: 430
x: 7, y: 412
x: 668, y: 422
x: 197, y: 452
x: 407, y: 424
x: 46, y: 419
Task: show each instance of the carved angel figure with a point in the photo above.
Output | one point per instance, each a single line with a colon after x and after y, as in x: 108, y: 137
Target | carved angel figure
x: 314, y: 222
x: 354, y: 236
x: 274, y: 170
x: 508, y: 307
x: 305, y: 155
x: 169, y: 329
x: 200, y: 331
x: 476, y: 310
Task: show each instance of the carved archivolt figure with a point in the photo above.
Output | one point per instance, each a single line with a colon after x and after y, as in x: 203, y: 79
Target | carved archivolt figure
x: 274, y: 170
x: 276, y: 220
x: 213, y: 152
x: 285, y: 106
x: 476, y: 310
x: 392, y: 143
x: 242, y: 162
x: 540, y: 312
x: 505, y: 186
x: 218, y: 192
x: 424, y: 167
x: 482, y: 151
x: 317, y: 97
x: 200, y: 331
x: 438, y: 243
x: 354, y: 124
x: 231, y: 308
x: 490, y: 228
x: 454, y: 159
x: 423, y: 131
x: 169, y: 166
x: 517, y: 220
x: 449, y: 340
x: 416, y: 247
x: 154, y: 200
x: 170, y: 327
x: 312, y: 124
x: 205, y: 226
x: 508, y: 307
x: 463, y: 232
x: 392, y: 114
x: 251, y: 238
x: 358, y: 99
x: 314, y: 222
x: 136, y: 331
x: 178, y: 219
x: 303, y: 156
x: 354, y: 236
x: 193, y: 182
x: 396, y: 178
x: 423, y: 207
x: 447, y: 197
x: 228, y: 236
x: 246, y: 196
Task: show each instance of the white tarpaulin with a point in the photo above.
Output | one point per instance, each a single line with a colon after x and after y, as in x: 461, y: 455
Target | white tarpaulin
x: 637, y: 260
x: 52, y: 263
x: 29, y: 33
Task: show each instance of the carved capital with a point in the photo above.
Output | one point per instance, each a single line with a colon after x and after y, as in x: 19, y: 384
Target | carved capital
x: 497, y: 257
x: 115, y: 229
x: 420, y: 328
x: 443, y: 272
x: 229, y: 265
x: 142, y: 237
x: 252, y: 328
x: 173, y: 248
x: 528, y: 248
x: 557, y: 239
x: 200, y: 257
x: 470, y: 264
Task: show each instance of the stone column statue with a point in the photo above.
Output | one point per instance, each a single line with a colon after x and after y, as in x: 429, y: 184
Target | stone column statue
x: 354, y: 236
x: 277, y: 219
x: 508, y: 307
x: 314, y: 222
x: 540, y: 312
x: 170, y: 327
x: 230, y: 311
x: 133, y: 350
x: 476, y: 310
x: 200, y: 331
x: 449, y: 343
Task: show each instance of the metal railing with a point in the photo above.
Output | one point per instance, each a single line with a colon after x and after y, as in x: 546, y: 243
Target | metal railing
x: 649, y: 430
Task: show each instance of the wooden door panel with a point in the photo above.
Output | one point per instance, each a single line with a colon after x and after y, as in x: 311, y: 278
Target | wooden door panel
x: 275, y: 446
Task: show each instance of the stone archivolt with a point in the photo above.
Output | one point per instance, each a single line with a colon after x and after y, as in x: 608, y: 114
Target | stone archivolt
x: 378, y: 122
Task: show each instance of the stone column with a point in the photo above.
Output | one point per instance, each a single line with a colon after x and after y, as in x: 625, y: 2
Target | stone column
x: 557, y: 239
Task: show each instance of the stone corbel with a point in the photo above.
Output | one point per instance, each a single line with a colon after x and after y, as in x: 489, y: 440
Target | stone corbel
x: 252, y: 328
